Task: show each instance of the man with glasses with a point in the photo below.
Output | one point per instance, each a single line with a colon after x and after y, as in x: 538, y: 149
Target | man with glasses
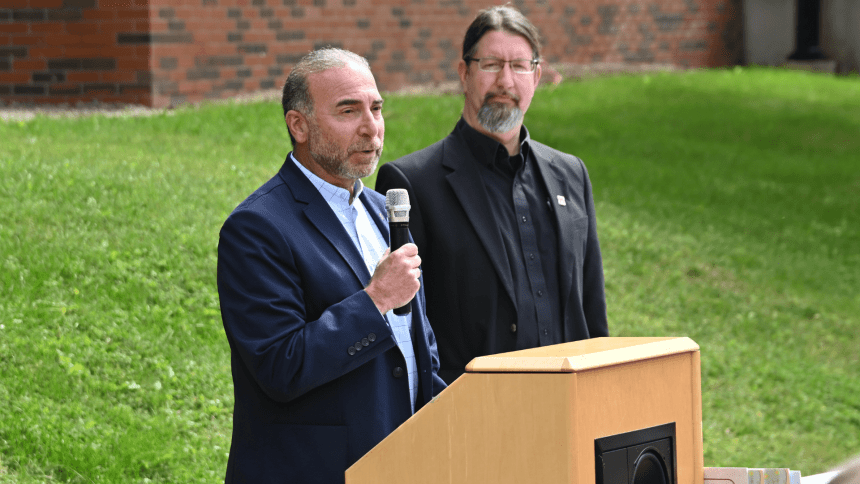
x: 505, y: 225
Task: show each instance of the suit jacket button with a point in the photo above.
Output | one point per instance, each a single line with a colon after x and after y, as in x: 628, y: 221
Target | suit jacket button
x: 513, y: 328
x: 371, y: 337
x: 398, y: 372
x: 358, y: 346
x: 365, y: 342
x: 351, y: 350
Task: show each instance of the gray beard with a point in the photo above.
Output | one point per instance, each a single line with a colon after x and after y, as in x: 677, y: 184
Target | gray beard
x: 334, y: 162
x: 341, y: 168
x: 499, y: 118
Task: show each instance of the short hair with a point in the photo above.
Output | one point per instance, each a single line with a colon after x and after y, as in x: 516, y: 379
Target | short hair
x: 503, y: 18
x: 296, y: 94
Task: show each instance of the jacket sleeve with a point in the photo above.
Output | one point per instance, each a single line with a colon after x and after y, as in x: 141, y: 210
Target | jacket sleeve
x: 594, y: 297
x: 266, y: 300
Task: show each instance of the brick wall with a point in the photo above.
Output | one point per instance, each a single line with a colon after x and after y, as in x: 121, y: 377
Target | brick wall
x: 73, y: 50
x: 167, y: 52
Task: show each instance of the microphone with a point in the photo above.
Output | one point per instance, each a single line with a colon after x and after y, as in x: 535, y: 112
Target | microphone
x: 397, y: 205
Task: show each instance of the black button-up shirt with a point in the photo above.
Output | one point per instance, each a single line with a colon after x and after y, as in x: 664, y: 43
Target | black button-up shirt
x: 521, y: 208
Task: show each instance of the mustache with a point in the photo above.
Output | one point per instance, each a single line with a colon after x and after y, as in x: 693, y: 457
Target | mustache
x: 508, y: 94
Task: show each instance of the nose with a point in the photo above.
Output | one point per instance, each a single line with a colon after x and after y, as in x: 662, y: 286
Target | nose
x: 372, y: 124
x: 505, y: 77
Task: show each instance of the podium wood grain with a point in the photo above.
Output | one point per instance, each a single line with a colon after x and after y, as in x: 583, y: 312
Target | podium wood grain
x: 532, y: 415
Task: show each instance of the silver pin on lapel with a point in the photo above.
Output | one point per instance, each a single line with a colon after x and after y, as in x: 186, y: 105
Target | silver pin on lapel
x: 561, y: 201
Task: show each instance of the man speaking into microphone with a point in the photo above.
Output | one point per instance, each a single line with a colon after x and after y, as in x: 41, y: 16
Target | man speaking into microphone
x: 323, y: 368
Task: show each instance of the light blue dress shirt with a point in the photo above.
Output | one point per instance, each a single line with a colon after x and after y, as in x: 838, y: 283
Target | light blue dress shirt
x: 369, y: 241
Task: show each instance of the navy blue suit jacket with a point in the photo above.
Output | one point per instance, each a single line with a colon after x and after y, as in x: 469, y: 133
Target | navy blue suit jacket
x: 291, y: 282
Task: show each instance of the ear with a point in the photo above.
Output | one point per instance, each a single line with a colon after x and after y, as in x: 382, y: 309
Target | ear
x: 537, y: 74
x: 463, y: 71
x: 298, y: 125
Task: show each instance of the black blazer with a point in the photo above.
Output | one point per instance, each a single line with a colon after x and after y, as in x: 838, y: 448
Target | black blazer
x: 471, y: 302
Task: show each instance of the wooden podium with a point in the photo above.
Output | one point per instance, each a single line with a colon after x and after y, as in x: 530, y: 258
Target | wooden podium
x: 541, y: 416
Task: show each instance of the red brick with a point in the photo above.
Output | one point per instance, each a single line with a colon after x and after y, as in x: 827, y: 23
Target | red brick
x: 334, y: 23
x: 46, y: 3
x: 78, y: 77
x: 99, y: 14
x: 63, y: 39
x: 14, y: 77
x: 27, y: 40
x: 29, y: 64
x: 132, y: 14
x: 16, y: 28
x: 141, y: 51
x: 48, y: 27
x: 82, y: 51
x: 111, y: 50
x: 132, y: 64
x: 80, y: 28
x: 98, y: 39
x: 46, y: 52
x: 119, y: 76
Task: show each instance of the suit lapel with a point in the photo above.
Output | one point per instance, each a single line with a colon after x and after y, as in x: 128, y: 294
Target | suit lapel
x: 323, y: 218
x: 465, y: 180
x: 556, y: 186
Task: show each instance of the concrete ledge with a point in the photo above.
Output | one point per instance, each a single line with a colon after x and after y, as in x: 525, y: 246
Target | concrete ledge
x: 826, y: 66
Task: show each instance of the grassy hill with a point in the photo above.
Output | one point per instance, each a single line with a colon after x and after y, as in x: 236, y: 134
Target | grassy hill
x: 728, y: 211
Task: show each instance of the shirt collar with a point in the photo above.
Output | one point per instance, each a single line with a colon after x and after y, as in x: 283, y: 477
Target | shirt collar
x: 334, y: 195
x: 487, y: 150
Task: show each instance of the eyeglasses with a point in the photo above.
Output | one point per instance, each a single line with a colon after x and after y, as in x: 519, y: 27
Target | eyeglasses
x: 492, y: 64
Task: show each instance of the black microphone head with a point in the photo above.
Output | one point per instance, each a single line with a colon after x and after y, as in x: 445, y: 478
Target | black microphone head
x: 397, y: 204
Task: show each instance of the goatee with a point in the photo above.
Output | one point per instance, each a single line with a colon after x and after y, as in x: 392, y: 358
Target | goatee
x: 500, y: 117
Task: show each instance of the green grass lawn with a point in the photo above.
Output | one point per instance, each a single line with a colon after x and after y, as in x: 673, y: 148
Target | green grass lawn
x: 728, y: 208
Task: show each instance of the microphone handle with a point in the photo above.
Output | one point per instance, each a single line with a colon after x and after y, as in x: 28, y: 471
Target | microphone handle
x: 400, y: 236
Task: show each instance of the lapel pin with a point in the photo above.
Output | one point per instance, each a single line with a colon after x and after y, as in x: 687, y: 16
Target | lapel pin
x: 561, y: 200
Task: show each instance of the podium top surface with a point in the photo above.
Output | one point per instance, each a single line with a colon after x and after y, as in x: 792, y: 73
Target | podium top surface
x: 581, y: 355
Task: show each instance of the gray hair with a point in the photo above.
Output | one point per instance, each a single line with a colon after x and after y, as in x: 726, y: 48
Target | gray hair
x: 504, y: 18
x: 296, y: 95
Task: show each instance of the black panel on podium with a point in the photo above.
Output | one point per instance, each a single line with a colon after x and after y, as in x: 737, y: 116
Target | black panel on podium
x: 645, y: 456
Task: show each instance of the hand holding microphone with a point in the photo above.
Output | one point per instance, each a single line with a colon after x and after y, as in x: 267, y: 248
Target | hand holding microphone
x: 397, y: 205
x: 395, y: 281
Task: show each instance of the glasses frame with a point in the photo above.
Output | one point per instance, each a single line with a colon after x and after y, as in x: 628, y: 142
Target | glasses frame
x: 532, y: 62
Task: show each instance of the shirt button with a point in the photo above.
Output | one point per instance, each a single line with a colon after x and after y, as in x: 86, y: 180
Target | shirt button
x: 398, y: 372
x: 351, y: 350
x: 532, y: 256
x: 524, y: 219
x: 540, y: 293
x: 513, y: 328
x: 544, y: 332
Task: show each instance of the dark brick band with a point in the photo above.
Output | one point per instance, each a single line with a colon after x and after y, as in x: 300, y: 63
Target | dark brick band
x: 13, y: 52
x: 93, y: 64
x: 158, y: 38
